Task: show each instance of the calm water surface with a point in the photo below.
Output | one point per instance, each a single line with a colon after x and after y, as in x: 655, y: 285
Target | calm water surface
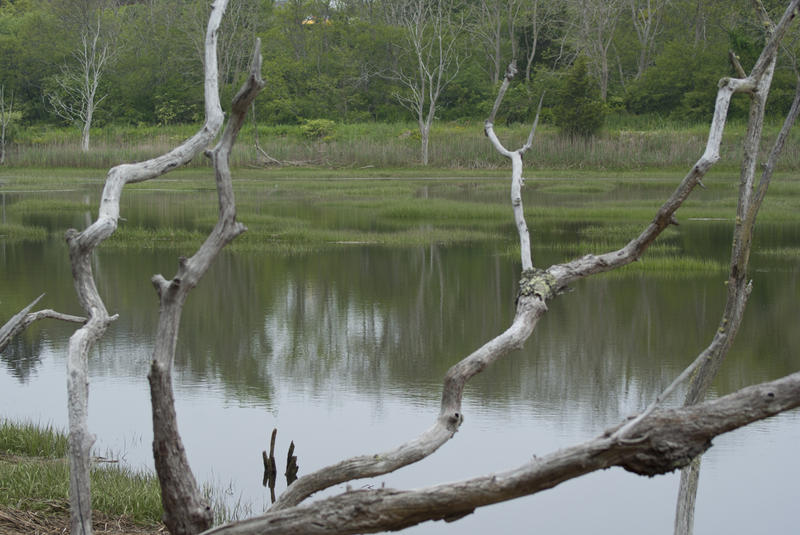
x: 343, y: 352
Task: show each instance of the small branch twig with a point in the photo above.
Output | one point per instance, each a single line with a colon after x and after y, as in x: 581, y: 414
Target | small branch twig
x: 24, y: 318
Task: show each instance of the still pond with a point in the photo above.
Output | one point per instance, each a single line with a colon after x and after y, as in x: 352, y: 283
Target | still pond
x: 343, y: 350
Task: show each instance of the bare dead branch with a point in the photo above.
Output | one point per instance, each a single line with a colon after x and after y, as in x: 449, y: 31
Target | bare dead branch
x: 750, y: 199
x: 671, y: 438
x: 516, y: 166
x: 541, y: 285
x: 736, y: 64
x: 81, y: 247
x: 185, y: 509
x: 24, y: 318
x: 590, y: 264
x: 16, y: 324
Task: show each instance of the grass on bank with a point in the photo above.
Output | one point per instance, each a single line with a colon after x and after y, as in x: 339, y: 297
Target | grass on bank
x: 34, y: 487
x: 34, y: 476
x: 627, y: 143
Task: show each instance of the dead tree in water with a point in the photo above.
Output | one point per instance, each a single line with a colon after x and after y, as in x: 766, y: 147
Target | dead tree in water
x: 185, y: 509
x: 656, y: 441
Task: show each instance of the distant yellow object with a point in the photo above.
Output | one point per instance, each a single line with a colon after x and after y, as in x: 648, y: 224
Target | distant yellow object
x: 313, y: 20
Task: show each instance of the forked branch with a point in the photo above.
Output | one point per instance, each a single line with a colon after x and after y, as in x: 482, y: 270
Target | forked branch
x: 22, y: 319
x: 81, y: 249
x: 186, y: 511
x: 659, y: 442
x: 670, y: 438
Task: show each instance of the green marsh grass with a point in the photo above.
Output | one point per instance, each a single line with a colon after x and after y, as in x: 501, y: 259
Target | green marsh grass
x: 10, y: 233
x: 34, y: 474
x: 298, y: 213
x: 32, y: 440
x: 625, y: 144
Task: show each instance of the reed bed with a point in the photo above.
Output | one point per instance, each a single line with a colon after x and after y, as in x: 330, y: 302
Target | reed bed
x: 377, y: 145
x: 568, y: 217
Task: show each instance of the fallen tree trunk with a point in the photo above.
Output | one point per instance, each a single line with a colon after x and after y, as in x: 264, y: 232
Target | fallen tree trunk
x: 665, y: 441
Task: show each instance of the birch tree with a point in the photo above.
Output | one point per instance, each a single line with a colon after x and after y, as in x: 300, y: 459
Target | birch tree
x: 76, y: 92
x: 430, y: 32
x: 6, y: 113
x: 537, y: 16
x: 494, y: 24
x: 593, y: 27
x: 646, y: 17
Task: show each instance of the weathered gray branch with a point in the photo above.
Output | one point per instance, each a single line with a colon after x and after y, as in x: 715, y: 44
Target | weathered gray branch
x: 750, y: 199
x: 16, y: 324
x: 530, y: 307
x: 81, y: 247
x: 670, y: 439
x: 536, y: 288
x: 186, y: 511
x: 24, y: 318
x: 516, y: 166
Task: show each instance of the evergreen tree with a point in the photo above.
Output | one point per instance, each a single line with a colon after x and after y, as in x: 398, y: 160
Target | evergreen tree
x: 580, y: 111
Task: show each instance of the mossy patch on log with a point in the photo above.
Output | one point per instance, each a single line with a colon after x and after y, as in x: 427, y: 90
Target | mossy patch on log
x: 537, y: 282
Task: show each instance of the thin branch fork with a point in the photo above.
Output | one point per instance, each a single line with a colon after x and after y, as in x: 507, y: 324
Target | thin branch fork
x: 750, y: 199
x: 24, y: 318
x: 516, y: 165
x: 544, y: 285
x: 530, y: 307
x: 541, y: 286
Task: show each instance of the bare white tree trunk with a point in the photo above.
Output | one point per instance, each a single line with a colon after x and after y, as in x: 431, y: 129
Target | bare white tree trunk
x: 430, y: 31
x: 516, y: 167
x: 185, y: 510
x: 81, y: 248
x: 751, y: 195
x: 656, y: 441
x: 646, y: 17
x: 495, y: 21
x: 594, y: 24
x: 76, y: 97
x: 6, y: 109
x: 539, y: 14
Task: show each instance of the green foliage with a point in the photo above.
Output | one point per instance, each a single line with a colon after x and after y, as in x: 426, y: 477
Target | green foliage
x: 338, y: 68
x: 317, y: 129
x: 579, y: 111
x: 682, y: 83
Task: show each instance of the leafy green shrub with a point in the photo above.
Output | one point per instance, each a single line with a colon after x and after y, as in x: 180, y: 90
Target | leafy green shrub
x: 579, y: 111
x: 317, y: 128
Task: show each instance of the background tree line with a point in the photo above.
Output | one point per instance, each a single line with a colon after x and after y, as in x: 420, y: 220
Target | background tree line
x: 356, y: 61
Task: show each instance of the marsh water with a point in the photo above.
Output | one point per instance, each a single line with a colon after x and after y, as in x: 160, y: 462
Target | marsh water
x: 343, y: 352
